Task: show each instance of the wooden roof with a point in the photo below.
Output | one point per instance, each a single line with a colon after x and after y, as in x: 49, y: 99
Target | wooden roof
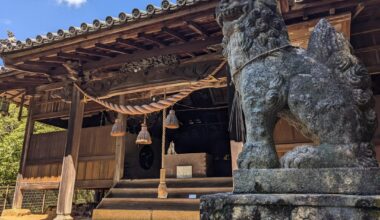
x: 186, y: 29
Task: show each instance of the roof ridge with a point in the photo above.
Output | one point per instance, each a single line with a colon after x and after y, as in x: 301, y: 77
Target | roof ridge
x: 97, y: 25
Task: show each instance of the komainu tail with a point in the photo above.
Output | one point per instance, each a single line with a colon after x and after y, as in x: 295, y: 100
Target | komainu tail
x: 328, y: 46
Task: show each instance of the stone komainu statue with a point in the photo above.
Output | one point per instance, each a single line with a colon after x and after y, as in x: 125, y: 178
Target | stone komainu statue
x: 323, y: 91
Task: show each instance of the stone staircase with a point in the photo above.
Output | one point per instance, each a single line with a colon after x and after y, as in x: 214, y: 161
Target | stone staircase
x: 137, y: 199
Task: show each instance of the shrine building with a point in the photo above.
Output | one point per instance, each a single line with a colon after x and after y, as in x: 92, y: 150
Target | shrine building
x: 145, y: 101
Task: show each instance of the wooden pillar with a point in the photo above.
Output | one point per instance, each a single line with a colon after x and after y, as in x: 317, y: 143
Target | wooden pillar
x: 120, y: 147
x: 70, y: 160
x: 18, y: 196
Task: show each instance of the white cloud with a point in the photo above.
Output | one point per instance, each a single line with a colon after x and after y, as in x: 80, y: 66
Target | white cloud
x: 5, y: 21
x: 72, y: 3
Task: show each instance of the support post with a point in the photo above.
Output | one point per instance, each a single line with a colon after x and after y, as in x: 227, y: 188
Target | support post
x: 162, y: 188
x: 5, y: 198
x: 70, y: 160
x: 120, y: 147
x: 18, y: 196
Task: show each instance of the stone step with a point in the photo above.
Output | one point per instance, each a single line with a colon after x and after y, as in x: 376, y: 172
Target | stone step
x: 177, y: 183
x: 150, y: 204
x: 173, y: 192
x: 114, y: 214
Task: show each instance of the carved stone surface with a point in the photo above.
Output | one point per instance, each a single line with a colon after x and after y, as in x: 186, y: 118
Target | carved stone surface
x: 227, y: 206
x: 324, y: 181
x: 324, y: 90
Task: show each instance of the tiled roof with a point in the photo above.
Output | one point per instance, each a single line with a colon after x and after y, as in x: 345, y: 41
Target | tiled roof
x: 97, y: 25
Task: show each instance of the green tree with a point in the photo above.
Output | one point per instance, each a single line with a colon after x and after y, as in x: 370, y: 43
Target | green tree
x: 11, y: 141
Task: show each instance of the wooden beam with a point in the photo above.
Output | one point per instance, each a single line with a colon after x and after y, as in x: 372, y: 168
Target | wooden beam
x: 120, y: 146
x: 43, y: 64
x: 317, y: 7
x: 189, y: 47
x: 111, y: 49
x: 51, y: 185
x: 93, y: 53
x: 130, y: 44
x: 284, y: 6
x: 16, y: 95
x: 18, y: 195
x: 30, y: 68
x: 174, y: 34
x: 70, y: 160
x: 53, y: 59
x: 365, y: 27
x: 358, y: 10
x: 197, y: 29
x: 367, y: 49
x: 373, y: 70
x: 76, y: 57
x: 152, y: 40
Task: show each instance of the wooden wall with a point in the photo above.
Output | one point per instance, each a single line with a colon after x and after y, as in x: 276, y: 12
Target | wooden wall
x: 96, y: 157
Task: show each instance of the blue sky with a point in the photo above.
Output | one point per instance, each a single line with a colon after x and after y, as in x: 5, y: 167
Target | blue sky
x: 28, y: 18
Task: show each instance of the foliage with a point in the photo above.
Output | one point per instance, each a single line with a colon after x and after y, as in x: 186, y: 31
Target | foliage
x: 11, y: 141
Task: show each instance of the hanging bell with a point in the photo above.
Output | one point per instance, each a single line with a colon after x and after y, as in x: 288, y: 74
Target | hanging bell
x: 144, y: 137
x: 171, y: 121
x: 118, y: 129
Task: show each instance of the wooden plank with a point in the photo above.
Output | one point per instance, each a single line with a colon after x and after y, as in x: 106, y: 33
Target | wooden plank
x: 375, y: 69
x: 47, y: 160
x: 85, y: 184
x: 111, y: 49
x: 52, y: 59
x: 89, y: 167
x: 95, y: 170
x: 93, y: 53
x: 111, y: 169
x: 365, y: 27
x: 18, y: 196
x: 299, y: 34
x: 81, y: 170
x: 197, y: 29
x: 152, y: 40
x: 78, y: 57
x: 284, y: 6
x: 189, y: 47
x: 94, y: 184
x: 40, y: 185
x: 317, y: 7
x: 131, y: 44
x: 175, y: 34
x: 70, y: 160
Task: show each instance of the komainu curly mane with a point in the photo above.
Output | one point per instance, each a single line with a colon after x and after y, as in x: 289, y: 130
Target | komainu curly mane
x: 323, y: 91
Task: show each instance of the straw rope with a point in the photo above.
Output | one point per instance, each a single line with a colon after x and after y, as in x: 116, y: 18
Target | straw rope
x: 154, y: 106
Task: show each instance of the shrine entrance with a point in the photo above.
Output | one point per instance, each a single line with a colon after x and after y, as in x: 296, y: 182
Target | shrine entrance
x: 201, y: 143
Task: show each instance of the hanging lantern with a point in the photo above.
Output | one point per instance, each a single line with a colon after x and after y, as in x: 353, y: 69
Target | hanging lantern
x: 4, y: 106
x: 144, y: 137
x: 118, y: 129
x: 171, y: 121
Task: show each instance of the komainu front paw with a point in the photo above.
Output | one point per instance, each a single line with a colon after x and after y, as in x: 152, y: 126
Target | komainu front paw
x: 258, y: 156
x: 301, y: 157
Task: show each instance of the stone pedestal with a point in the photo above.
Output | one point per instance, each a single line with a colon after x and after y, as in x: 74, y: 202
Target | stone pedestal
x: 298, y: 194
